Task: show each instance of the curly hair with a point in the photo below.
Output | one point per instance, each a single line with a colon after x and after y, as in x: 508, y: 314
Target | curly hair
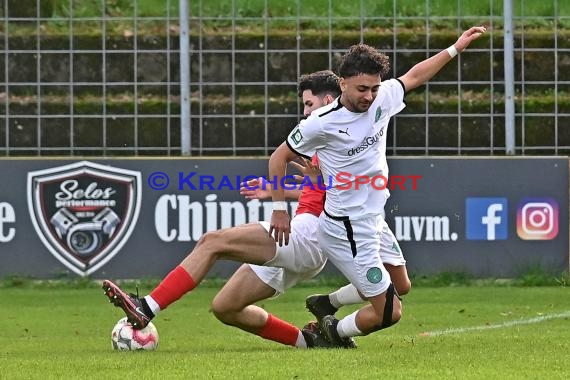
x: 321, y: 83
x: 363, y: 59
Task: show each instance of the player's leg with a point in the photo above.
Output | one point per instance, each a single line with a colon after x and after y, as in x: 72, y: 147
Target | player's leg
x: 328, y: 304
x: 383, y: 311
x: 246, y: 243
x: 234, y: 305
x: 300, y: 260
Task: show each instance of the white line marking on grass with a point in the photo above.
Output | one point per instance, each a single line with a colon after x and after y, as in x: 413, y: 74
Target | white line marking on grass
x: 516, y: 322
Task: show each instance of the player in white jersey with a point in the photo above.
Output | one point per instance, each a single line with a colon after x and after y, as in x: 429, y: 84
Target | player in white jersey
x: 349, y: 137
x: 234, y: 303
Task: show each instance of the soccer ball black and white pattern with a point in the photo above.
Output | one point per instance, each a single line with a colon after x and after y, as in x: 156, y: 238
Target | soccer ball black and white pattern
x: 125, y: 338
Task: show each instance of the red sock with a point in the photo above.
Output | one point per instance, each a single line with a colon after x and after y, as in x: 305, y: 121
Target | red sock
x: 279, y: 331
x: 177, y: 283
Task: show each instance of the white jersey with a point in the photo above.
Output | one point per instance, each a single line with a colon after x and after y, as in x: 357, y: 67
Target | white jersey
x: 351, y: 144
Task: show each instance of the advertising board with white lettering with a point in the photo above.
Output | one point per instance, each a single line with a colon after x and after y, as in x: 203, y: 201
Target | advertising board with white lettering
x: 134, y: 218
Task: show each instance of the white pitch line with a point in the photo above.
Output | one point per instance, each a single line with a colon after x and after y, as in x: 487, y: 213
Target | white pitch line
x: 516, y: 322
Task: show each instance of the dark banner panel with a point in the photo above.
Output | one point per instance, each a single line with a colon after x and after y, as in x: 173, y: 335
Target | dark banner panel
x: 486, y: 217
x: 133, y: 218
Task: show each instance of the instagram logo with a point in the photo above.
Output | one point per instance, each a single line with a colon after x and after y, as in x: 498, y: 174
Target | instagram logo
x: 537, y: 219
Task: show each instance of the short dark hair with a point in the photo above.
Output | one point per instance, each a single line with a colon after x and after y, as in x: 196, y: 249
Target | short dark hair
x: 321, y: 83
x: 363, y: 59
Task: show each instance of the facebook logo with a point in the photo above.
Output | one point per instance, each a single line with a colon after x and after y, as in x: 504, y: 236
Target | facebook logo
x: 486, y: 218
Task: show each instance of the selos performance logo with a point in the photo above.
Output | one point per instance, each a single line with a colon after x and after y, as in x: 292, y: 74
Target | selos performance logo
x: 84, y: 212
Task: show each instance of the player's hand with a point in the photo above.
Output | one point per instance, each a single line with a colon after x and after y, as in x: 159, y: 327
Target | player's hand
x: 468, y: 36
x: 257, y: 188
x: 308, y: 169
x: 280, y: 227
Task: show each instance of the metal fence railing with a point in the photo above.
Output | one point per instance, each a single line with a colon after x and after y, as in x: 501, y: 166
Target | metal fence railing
x: 88, y: 81
x: 107, y: 81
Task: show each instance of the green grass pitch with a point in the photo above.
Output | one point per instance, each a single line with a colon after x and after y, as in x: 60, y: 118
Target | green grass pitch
x: 463, y: 332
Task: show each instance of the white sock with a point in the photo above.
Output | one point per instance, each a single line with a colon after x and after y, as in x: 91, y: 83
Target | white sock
x: 347, y: 326
x: 301, y: 342
x: 347, y: 295
x: 152, y: 305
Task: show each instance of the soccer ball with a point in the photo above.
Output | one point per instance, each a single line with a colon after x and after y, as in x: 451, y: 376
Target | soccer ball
x: 125, y: 338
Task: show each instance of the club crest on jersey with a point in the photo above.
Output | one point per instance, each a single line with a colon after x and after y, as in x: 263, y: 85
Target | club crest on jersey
x: 374, y: 275
x: 84, y: 212
x: 396, y: 248
x: 296, y: 136
x: 378, y: 114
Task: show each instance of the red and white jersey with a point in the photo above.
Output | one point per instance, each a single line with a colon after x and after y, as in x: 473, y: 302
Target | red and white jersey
x: 351, y: 145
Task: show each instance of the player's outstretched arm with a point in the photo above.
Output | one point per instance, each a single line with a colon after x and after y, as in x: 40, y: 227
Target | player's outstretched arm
x: 425, y: 70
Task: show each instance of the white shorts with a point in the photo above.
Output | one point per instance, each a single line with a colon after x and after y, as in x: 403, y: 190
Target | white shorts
x: 354, y: 246
x: 301, y: 259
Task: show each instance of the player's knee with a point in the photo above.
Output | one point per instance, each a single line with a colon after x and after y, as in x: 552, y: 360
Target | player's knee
x: 208, y: 238
x: 223, y: 310
x: 218, y: 308
x: 392, y: 315
x: 211, y: 241
x: 392, y: 310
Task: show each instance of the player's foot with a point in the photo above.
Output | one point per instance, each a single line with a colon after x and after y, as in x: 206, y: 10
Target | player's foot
x: 314, y: 337
x: 328, y: 327
x: 320, y: 305
x: 130, y: 303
